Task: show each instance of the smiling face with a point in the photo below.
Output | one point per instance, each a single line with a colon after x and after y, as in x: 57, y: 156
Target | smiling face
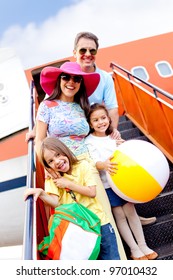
x: 56, y: 161
x: 100, y: 122
x: 87, y: 59
x: 70, y: 85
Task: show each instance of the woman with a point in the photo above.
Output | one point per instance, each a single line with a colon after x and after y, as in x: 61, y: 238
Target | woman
x: 63, y: 115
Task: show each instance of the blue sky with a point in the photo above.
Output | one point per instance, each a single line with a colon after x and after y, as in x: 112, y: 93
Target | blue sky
x: 42, y: 31
x: 25, y: 11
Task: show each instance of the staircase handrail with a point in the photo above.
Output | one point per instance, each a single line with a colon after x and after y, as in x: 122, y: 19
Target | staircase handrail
x: 29, y: 208
x: 153, y: 87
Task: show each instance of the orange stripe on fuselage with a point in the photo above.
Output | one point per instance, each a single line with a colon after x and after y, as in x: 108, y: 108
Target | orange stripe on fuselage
x: 13, y: 146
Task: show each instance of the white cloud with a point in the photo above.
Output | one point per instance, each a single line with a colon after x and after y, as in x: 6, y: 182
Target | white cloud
x: 113, y: 21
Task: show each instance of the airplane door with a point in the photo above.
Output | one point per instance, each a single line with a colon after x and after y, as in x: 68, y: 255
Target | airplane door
x: 14, y: 94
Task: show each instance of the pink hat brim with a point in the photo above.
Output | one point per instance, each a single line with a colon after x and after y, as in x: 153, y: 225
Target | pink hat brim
x: 50, y: 74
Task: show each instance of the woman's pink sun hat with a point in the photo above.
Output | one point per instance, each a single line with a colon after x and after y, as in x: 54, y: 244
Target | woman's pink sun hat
x: 50, y: 74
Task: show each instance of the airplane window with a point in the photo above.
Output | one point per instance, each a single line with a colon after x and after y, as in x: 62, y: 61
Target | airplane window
x: 164, y: 69
x: 140, y: 72
x: 3, y: 98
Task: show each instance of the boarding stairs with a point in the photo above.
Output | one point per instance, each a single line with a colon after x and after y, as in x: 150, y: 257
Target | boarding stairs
x: 159, y: 236
x: 146, y: 113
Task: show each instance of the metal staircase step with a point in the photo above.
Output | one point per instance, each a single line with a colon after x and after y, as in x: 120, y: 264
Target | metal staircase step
x: 155, y: 234
x: 131, y: 133
x: 165, y: 252
x: 143, y: 137
x: 161, y: 205
x: 124, y: 125
x: 123, y: 118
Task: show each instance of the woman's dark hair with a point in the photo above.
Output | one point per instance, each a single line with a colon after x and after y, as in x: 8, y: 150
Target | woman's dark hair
x: 80, y: 97
x: 95, y: 107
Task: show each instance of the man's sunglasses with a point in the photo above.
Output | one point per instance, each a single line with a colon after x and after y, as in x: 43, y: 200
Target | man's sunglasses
x: 68, y: 77
x: 92, y: 51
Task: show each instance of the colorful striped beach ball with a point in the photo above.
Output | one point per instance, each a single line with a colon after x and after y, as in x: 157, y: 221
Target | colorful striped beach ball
x: 143, y: 171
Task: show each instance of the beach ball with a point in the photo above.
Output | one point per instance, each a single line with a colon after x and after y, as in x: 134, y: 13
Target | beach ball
x: 143, y: 171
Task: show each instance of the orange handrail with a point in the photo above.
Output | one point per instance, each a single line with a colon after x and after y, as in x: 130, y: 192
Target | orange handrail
x: 148, y: 107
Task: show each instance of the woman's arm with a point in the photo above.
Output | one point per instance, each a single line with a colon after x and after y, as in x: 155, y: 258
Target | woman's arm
x: 41, y: 133
x: 30, y: 134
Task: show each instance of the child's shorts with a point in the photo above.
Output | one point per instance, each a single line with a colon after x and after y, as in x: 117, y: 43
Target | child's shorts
x: 114, y: 199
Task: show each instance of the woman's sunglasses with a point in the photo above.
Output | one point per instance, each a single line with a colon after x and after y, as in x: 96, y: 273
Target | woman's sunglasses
x: 68, y: 77
x: 92, y: 51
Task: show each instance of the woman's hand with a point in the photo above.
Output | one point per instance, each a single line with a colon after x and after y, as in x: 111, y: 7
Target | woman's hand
x: 30, y: 135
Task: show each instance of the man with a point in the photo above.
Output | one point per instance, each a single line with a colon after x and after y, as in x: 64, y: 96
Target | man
x: 85, y: 50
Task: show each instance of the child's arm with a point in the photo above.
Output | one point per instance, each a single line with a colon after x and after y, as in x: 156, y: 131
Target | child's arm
x: 51, y: 200
x: 62, y: 183
x: 107, y: 165
x: 94, y: 153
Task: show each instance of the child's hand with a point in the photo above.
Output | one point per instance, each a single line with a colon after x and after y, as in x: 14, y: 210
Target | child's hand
x: 51, y: 174
x: 110, y: 167
x: 62, y: 183
x: 36, y: 192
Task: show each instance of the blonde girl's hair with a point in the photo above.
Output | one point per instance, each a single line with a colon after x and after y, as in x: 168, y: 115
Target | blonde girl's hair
x: 54, y: 144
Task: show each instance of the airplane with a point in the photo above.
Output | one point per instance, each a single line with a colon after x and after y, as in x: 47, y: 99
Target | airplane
x: 147, y: 61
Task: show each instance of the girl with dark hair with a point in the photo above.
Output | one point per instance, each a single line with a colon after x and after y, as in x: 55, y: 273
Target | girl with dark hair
x: 101, y: 148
